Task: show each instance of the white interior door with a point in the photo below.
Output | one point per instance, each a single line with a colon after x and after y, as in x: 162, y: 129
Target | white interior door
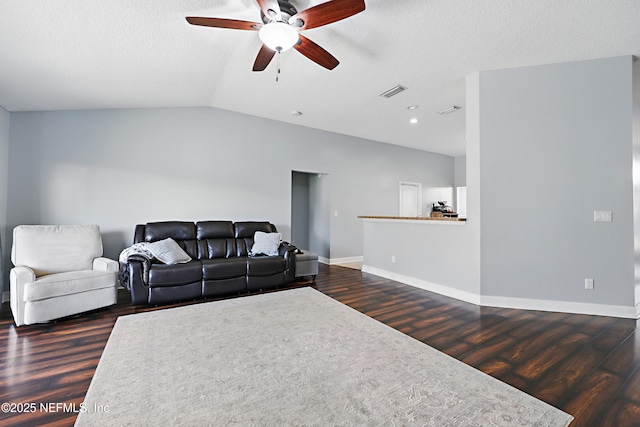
x: 410, y: 199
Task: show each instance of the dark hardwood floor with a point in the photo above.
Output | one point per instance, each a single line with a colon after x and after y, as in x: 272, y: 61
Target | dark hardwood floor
x: 587, y: 366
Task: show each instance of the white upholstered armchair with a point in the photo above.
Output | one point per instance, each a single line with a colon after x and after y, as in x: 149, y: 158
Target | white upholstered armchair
x: 59, y: 271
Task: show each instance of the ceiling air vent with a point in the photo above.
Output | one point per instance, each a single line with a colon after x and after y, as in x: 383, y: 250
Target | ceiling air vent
x: 450, y: 109
x: 393, y: 91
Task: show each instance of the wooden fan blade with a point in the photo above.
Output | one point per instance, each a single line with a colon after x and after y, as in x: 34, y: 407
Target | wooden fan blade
x: 234, y: 24
x: 326, y: 13
x: 263, y: 59
x: 315, y: 53
x: 273, y: 5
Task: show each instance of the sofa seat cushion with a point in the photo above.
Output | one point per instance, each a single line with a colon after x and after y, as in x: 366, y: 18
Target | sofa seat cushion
x: 265, y: 266
x: 224, y: 268
x: 68, y: 283
x: 161, y: 275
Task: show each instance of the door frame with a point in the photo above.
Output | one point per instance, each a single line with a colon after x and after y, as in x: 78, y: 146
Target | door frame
x: 417, y: 186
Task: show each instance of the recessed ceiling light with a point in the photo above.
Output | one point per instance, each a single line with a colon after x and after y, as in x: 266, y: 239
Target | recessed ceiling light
x: 296, y: 113
x: 413, y: 107
x: 413, y: 121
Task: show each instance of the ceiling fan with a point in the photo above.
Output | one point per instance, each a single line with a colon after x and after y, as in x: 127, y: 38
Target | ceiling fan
x: 280, y: 27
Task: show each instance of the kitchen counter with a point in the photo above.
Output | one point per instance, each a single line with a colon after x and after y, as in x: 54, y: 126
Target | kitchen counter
x: 409, y: 218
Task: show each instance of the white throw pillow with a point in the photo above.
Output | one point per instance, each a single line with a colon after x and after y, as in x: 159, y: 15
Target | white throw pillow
x: 168, y: 251
x: 265, y: 243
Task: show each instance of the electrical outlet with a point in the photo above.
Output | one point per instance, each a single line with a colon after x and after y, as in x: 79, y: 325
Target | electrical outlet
x: 588, y: 284
x: 393, y: 259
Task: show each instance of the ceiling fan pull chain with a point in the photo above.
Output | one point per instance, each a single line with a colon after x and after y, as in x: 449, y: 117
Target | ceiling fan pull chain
x: 278, y: 66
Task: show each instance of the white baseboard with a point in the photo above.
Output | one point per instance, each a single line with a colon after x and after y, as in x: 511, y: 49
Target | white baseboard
x: 561, y: 306
x: 334, y: 261
x: 508, y: 302
x: 347, y: 260
x: 423, y: 284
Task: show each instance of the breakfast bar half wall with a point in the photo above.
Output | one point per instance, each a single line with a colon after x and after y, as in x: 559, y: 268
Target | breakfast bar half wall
x: 439, y: 255
x: 443, y: 256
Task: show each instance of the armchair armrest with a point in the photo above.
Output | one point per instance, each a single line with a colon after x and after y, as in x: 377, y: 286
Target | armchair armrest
x: 22, y: 275
x: 18, y: 277
x: 105, y: 264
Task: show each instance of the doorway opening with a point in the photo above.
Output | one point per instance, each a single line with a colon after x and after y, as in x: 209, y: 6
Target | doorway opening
x: 310, y: 212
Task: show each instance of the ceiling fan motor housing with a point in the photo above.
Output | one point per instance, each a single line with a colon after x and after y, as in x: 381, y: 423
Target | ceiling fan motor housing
x: 287, y: 10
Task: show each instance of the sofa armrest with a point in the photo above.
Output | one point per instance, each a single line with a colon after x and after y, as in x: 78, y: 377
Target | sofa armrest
x: 18, y: 277
x: 288, y: 251
x: 136, y: 272
x: 105, y: 264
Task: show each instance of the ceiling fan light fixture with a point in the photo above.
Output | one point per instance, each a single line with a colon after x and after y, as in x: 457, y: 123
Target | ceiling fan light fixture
x: 278, y: 36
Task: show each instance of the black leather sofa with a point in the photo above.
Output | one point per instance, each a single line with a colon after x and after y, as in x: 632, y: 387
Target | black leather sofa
x: 220, y: 262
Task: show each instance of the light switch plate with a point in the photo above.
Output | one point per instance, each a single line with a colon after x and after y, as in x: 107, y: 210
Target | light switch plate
x: 602, y: 216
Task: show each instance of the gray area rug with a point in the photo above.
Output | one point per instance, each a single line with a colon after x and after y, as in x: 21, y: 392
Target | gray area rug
x: 294, y: 357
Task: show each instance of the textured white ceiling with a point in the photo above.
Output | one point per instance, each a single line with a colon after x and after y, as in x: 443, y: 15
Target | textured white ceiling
x: 84, y: 54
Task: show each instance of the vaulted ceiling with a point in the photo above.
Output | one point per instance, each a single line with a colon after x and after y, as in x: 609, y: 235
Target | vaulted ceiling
x: 82, y: 54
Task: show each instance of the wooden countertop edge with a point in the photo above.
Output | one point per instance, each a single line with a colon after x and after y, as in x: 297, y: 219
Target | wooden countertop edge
x: 409, y: 218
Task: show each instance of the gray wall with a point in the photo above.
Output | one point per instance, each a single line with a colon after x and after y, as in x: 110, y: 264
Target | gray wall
x: 556, y: 145
x: 320, y: 236
x: 118, y: 168
x: 460, y: 163
x: 4, y: 184
x: 636, y: 176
